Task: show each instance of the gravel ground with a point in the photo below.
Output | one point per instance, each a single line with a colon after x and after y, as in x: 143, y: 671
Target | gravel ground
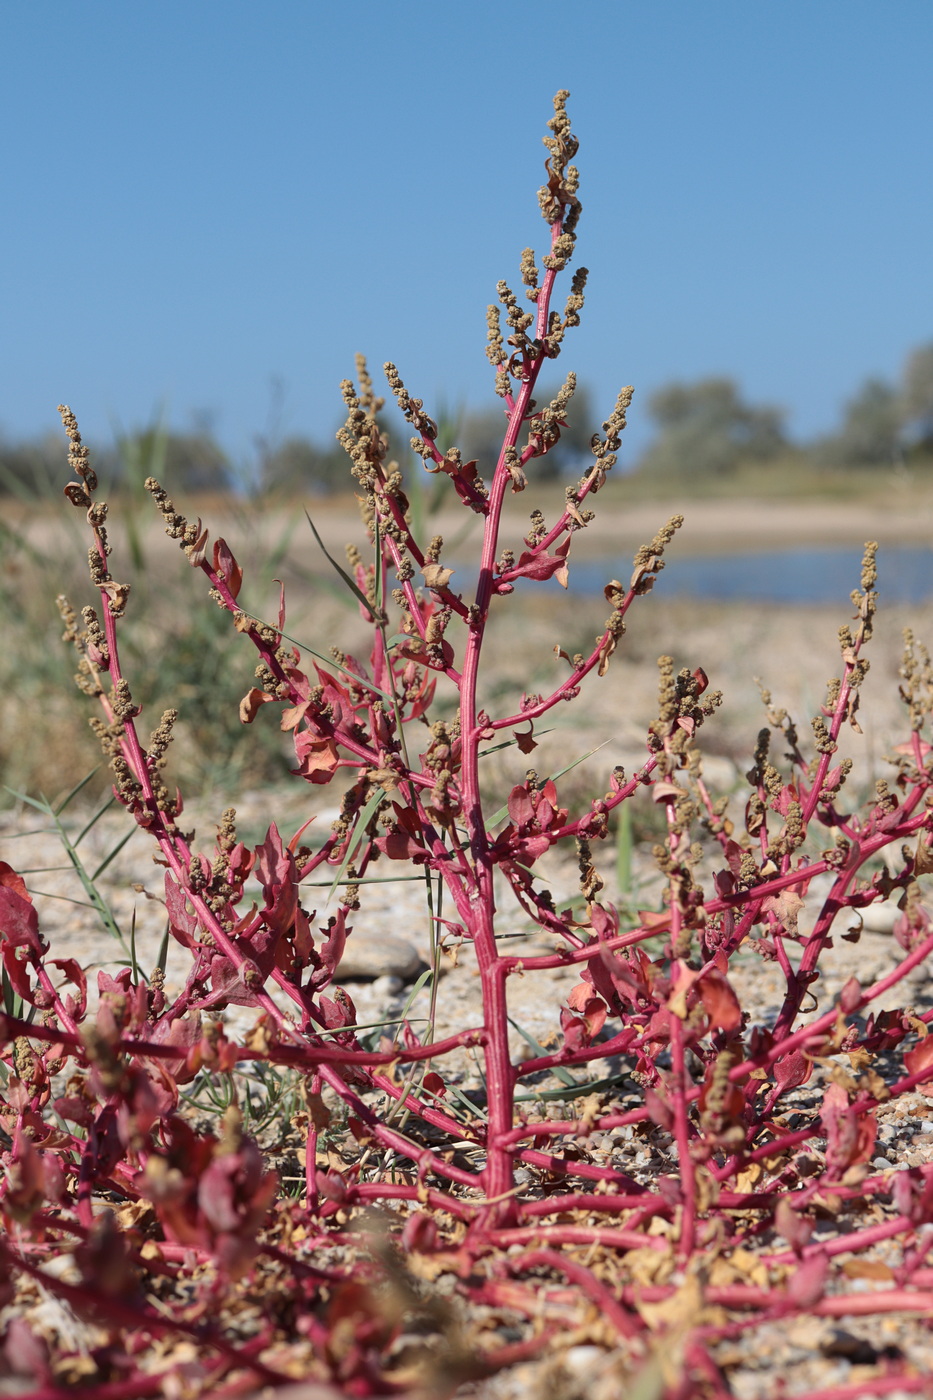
x: 803, y: 1354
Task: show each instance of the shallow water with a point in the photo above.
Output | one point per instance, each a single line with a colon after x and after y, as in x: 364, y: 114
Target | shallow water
x: 905, y: 575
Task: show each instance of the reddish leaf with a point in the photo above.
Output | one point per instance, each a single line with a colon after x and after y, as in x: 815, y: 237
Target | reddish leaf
x: 919, y: 1060
x: 182, y: 924
x: 317, y: 758
x: 659, y: 1110
x: 14, y: 882
x: 521, y: 807
x: 398, y: 845
x: 419, y: 1235
x: 795, y: 1228
x: 74, y: 973
x: 332, y: 949
x: 580, y: 1031
x: 19, y: 922
x: 250, y: 704
x: 276, y: 873
x: 792, y: 1070
x: 720, y: 1002
x: 851, y: 995
x: 850, y: 1136
x: 337, y: 1011
x: 807, y: 1284
x: 227, y: 566
x: 526, y: 742
x: 536, y: 565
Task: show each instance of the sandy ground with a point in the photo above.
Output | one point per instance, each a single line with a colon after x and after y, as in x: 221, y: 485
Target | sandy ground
x: 898, y: 514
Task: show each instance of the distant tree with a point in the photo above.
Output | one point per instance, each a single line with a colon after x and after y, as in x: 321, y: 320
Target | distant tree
x: 871, y: 432
x: 33, y: 468
x: 480, y: 435
x: 181, y: 461
x: 918, y: 397
x: 298, y: 465
x: 707, y: 428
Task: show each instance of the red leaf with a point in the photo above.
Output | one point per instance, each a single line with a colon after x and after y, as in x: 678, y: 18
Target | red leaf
x: 792, y: 1070
x: 317, y: 758
x: 526, y: 742
x: 920, y: 1059
x: 795, y: 1228
x: 182, y: 925
x: 851, y: 995
x: 521, y: 807
x: 659, y: 1110
x: 808, y: 1282
x: 227, y: 566
x: 337, y: 1012
x: 276, y: 873
x: 14, y: 882
x: 850, y: 1136
x: 74, y: 973
x: 580, y: 1030
x: 398, y: 845
x: 537, y: 566
x: 332, y: 948
x: 720, y: 1002
x: 249, y: 705
x: 19, y: 922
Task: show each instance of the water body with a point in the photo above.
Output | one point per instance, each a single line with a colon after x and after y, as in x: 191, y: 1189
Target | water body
x: 905, y: 575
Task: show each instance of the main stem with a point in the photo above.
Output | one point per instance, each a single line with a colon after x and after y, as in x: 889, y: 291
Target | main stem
x: 498, y: 1178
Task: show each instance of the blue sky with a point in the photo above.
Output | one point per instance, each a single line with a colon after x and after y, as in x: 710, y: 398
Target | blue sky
x: 203, y: 198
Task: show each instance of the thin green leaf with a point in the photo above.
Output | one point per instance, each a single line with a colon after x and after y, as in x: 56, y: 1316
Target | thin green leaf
x: 75, y: 790
x: 592, y: 1086
x: 474, y: 1109
x: 353, y: 845
x: 563, y: 1075
x: 95, y: 819
x: 30, y: 801
x: 350, y: 582
x: 113, y: 854
x: 162, y: 959
x: 416, y: 988
x: 133, y: 963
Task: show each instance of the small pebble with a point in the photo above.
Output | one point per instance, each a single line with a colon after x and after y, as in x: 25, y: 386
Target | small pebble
x: 373, y: 957
x: 388, y: 986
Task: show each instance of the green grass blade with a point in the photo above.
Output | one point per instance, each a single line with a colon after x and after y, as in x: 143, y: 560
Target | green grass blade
x: 350, y: 582
x: 113, y: 854
x: 563, y: 1075
x: 30, y: 801
x: 353, y: 845
x: 75, y: 790
x: 96, y: 818
x: 592, y: 1086
x: 163, y: 951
